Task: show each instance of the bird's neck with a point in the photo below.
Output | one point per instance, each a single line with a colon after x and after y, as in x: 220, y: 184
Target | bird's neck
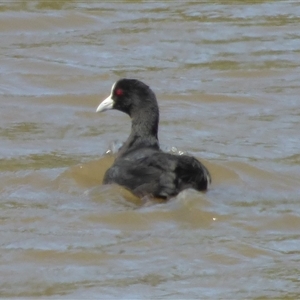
x: 143, y: 134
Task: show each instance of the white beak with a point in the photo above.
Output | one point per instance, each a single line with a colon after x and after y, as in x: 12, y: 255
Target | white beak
x: 106, y: 104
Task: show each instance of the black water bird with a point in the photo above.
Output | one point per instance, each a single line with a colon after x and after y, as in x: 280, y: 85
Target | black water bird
x: 141, y: 166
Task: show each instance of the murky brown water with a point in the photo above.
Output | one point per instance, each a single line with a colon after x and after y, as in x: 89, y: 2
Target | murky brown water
x: 227, y: 76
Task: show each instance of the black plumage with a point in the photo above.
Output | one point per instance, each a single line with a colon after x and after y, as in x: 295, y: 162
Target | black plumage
x: 141, y: 166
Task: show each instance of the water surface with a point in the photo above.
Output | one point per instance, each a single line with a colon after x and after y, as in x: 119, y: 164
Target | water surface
x: 226, y: 75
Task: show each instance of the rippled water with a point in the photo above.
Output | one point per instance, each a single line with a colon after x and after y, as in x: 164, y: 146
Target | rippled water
x: 226, y: 74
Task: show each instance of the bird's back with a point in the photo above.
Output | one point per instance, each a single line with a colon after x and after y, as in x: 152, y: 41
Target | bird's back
x: 159, y: 174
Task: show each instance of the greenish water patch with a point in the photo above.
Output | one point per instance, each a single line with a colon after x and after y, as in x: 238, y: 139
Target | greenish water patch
x: 216, y: 65
x: 28, y: 5
x: 39, y: 161
x: 16, y: 130
x: 292, y: 160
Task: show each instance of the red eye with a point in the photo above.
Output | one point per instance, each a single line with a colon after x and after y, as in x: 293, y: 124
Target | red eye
x: 119, y: 92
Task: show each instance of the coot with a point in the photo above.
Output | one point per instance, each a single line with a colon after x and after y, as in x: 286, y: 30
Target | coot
x: 141, y: 166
